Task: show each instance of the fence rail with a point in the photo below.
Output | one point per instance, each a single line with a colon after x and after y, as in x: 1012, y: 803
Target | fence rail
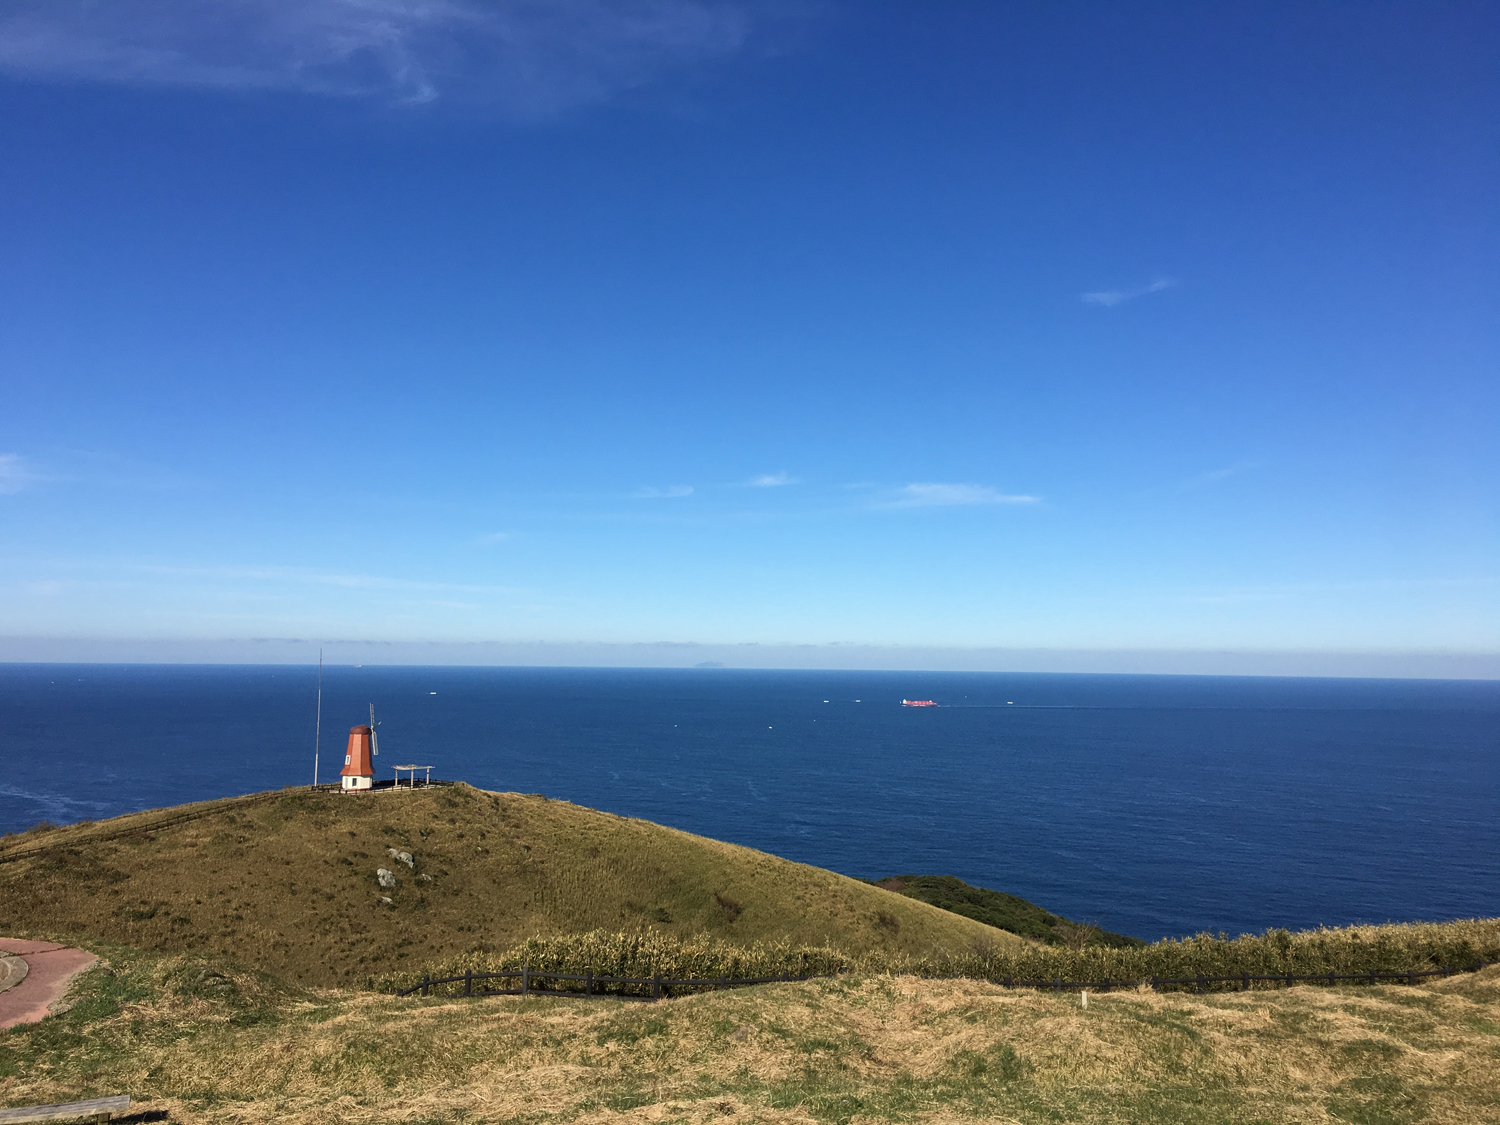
x: 535, y: 983
x: 592, y: 985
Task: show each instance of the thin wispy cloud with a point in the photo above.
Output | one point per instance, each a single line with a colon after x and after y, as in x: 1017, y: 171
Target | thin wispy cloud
x: 525, y: 57
x: 772, y: 480
x: 1214, y: 476
x: 15, y: 474
x: 89, y: 468
x: 1109, y: 298
x: 932, y: 495
x: 306, y: 576
x: 671, y: 492
x: 1322, y: 590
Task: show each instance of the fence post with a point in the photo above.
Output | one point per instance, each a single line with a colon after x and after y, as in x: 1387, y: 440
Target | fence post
x: 525, y: 979
x: 1289, y: 980
x: 1330, y: 978
x: 1198, y: 984
x: 468, y: 982
x: 1411, y: 976
x: 1153, y: 983
x: 656, y: 987
x: 1006, y: 982
x: 1247, y: 982
x: 588, y: 984
x: 786, y: 974
x: 1106, y: 984
x: 1057, y: 985
x: 1372, y: 976
x: 426, y: 983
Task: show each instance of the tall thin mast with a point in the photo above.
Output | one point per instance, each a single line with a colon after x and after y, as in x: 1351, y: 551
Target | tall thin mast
x: 318, y: 729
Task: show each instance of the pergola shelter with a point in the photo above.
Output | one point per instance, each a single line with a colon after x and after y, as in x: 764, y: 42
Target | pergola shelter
x: 412, y: 782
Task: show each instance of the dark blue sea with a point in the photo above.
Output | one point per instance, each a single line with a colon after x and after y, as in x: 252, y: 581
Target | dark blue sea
x: 1152, y: 805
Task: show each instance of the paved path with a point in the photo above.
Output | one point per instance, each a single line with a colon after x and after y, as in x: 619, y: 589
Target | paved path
x: 49, y: 970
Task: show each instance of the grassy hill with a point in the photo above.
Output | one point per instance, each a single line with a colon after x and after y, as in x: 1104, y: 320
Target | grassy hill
x: 198, y: 1039
x: 286, y: 882
x: 1006, y: 912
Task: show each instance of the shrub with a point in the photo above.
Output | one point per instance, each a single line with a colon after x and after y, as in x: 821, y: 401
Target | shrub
x: 639, y: 955
x: 1408, y: 947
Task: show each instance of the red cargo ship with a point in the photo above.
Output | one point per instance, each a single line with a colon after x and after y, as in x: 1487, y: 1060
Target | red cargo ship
x: 918, y: 703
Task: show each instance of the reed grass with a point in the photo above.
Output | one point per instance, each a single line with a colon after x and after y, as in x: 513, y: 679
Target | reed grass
x: 635, y: 955
x: 1396, y: 947
x: 1409, y: 947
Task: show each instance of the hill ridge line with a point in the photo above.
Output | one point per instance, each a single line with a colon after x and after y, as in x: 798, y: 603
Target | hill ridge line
x: 210, y: 807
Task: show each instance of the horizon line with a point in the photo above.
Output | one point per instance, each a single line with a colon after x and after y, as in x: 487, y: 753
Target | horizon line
x: 1306, y: 662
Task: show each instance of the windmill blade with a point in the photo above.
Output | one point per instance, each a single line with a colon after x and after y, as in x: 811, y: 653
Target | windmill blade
x: 374, y: 743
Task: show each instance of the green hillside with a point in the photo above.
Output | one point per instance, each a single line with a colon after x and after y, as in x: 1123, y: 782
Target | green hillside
x: 1003, y: 911
x: 286, y: 882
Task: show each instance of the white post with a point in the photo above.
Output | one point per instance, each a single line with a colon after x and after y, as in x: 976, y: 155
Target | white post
x: 318, y: 726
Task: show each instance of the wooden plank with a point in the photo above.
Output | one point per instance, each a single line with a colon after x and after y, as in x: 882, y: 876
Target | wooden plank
x: 97, y: 1108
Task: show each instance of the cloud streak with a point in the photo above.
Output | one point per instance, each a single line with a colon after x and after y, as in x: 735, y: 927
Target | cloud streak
x: 772, y: 480
x: 671, y: 492
x: 933, y: 495
x: 305, y: 576
x: 1205, y: 480
x: 1109, y: 298
x: 528, y: 58
x: 14, y: 473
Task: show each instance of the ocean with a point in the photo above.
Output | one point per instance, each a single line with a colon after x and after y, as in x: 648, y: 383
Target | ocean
x: 1150, y: 805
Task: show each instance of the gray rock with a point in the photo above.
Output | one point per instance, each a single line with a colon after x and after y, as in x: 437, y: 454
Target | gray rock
x: 404, y: 857
x: 426, y: 878
x: 387, y: 879
x: 385, y: 900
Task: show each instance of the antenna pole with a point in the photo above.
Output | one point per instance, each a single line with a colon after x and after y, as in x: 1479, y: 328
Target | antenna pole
x: 318, y: 728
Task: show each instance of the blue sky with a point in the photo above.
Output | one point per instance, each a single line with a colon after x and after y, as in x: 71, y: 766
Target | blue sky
x: 1152, y: 327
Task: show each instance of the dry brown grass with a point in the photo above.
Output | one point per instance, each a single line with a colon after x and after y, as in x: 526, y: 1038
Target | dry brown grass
x: 841, y: 1050
x: 286, y: 882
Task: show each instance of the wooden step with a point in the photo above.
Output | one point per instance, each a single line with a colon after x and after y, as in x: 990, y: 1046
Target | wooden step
x: 97, y: 1108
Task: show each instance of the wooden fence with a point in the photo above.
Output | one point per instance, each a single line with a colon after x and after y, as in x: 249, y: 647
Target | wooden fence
x: 533, y: 983
x: 592, y: 985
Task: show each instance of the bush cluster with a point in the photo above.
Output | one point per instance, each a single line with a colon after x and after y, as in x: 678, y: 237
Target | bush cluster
x: 1400, y: 948
x: 639, y: 955
x: 1355, y: 949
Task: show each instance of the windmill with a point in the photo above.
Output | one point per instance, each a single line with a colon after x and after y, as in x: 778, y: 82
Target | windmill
x: 359, y: 769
